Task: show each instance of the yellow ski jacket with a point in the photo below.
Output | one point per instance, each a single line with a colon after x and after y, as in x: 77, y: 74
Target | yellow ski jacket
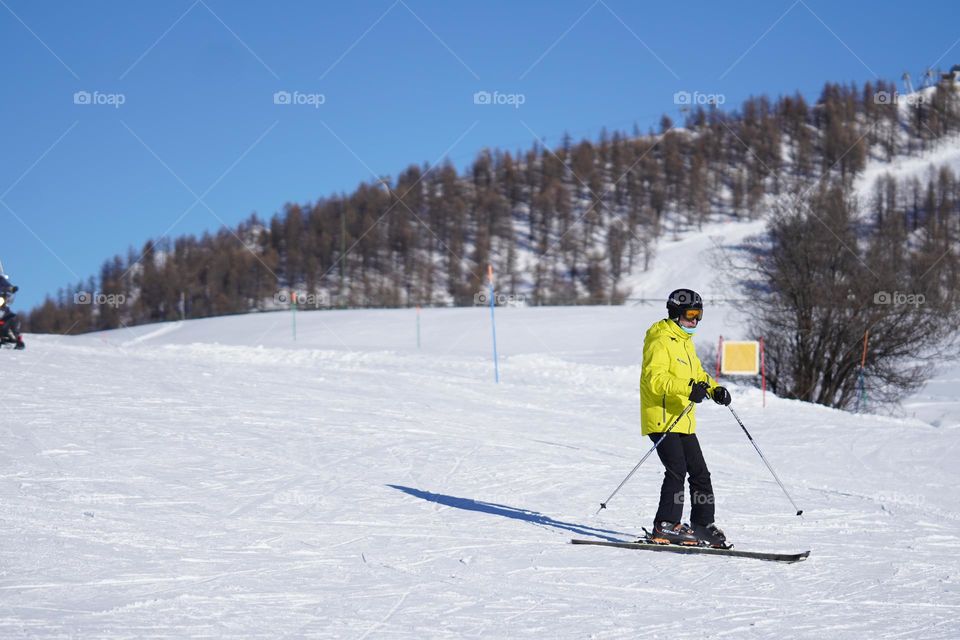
x: 670, y: 364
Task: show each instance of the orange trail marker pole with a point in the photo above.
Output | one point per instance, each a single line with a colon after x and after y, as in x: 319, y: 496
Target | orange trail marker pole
x: 860, y: 381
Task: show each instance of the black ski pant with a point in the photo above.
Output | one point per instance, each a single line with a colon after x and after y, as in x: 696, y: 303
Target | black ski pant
x: 681, y: 456
x: 11, y: 324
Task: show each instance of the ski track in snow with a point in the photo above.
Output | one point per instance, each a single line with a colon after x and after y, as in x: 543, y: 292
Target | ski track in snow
x: 192, y: 487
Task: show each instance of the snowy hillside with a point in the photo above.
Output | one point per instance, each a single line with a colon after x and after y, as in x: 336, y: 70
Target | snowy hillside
x: 216, y: 479
x: 937, y: 403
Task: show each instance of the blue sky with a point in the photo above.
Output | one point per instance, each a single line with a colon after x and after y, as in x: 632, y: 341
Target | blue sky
x: 198, y: 140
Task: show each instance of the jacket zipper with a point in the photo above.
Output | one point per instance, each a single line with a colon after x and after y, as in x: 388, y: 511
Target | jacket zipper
x: 690, y: 365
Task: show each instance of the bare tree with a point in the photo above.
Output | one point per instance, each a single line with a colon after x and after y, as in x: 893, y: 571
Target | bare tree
x: 822, y: 279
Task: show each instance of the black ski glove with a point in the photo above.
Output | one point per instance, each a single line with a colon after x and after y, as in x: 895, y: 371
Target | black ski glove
x: 698, y: 391
x: 721, y: 396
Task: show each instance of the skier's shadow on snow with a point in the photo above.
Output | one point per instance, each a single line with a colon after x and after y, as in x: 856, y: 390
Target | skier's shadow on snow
x: 525, y: 515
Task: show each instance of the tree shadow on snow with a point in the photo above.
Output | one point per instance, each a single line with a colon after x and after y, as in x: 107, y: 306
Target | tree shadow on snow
x: 525, y: 515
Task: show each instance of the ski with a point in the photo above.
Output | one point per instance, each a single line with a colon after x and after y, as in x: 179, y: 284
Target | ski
x: 710, y: 551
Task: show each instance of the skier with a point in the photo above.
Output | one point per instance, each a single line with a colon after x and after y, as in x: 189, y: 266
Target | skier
x: 9, y: 323
x: 672, y: 377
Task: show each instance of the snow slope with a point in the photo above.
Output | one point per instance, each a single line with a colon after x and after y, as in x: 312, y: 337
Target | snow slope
x: 216, y: 479
x: 947, y: 153
x: 691, y: 258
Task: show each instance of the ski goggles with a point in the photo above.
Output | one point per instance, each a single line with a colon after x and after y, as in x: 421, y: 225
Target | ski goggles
x: 692, y: 314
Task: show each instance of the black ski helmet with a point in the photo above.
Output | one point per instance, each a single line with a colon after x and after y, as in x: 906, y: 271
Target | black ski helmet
x: 682, y: 299
x: 6, y: 287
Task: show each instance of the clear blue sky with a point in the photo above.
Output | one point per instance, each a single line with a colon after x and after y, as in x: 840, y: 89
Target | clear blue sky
x: 82, y: 182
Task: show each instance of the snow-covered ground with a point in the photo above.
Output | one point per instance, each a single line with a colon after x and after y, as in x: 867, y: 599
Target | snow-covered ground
x: 215, y: 478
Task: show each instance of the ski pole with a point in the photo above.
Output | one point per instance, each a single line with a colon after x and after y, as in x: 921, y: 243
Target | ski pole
x: 762, y: 457
x: 686, y: 410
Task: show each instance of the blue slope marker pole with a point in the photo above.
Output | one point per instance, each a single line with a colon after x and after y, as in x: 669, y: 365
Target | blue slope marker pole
x: 493, y: 325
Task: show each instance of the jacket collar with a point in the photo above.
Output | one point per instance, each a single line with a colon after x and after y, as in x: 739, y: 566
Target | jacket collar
x: 674, y: 331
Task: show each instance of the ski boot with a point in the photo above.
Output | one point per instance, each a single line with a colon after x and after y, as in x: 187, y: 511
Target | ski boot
x: 711, y: 535
x: 673, y: 533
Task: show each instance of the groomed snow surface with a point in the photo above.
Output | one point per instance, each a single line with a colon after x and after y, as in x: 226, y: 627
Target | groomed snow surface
x: 215, y: 478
